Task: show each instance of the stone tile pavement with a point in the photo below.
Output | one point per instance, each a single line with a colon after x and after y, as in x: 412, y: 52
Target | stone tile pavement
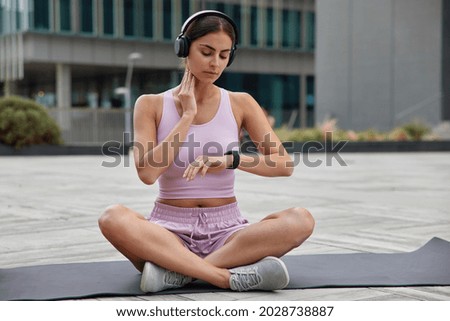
x: 379, y: 202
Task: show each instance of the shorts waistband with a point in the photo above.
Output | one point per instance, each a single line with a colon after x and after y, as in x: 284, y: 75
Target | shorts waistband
x: 191, y: 214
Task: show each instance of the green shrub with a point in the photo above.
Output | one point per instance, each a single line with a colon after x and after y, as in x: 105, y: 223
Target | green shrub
x: 329, y: 131
x: 371, y: 135
x: 299, y: 135
x: 24, y: 122
x: 399, y: 135
x: 415, y: 130
x: 340, y: 134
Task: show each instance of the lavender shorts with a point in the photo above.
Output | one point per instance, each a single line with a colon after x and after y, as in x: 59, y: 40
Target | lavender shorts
x: 203, y: 230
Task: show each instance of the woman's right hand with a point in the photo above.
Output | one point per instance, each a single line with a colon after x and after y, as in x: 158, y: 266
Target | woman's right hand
x: 186, y: 94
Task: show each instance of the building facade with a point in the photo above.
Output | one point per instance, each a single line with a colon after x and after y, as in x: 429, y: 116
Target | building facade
x: 383, y: 63
x: 376, y: 64
x: 74, y: 54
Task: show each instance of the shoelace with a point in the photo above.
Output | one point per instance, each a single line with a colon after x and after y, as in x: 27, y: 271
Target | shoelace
x: 176, y: 279
x: 245, y: 280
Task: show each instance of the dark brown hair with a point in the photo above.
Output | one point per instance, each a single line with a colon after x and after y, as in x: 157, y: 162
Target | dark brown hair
x: 207, y: 24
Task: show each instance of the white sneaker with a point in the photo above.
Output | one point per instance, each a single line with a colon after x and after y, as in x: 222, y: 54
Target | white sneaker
x: 155, y: 279
x: 268, y: 274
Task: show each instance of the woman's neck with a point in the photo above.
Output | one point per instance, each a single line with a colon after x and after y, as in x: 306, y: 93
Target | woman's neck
x: 204, y: 91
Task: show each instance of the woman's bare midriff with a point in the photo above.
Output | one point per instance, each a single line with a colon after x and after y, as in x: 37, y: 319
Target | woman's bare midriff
x: 198, y: 202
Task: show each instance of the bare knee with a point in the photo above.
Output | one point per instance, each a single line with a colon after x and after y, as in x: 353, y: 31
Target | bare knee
x: 307, y: 220
x: 110, y: 218
x: 301, y: 224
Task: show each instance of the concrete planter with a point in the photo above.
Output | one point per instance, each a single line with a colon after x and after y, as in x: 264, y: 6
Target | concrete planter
x: 58, y: 150
x: 367, y: 147
x: 357, y: 147
x: 291, y: 147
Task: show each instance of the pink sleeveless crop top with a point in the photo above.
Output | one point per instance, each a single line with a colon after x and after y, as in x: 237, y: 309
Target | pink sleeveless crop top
x: 213, y: 138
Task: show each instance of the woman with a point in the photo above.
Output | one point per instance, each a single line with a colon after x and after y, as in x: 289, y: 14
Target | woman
x: 187, y: 139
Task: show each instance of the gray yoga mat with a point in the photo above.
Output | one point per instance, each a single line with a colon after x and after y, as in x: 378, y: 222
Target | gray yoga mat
x: 429, y: 265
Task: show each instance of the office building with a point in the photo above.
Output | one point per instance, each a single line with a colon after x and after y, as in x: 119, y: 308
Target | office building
x: 73, y: 55
x: 376, y: 64
x: 383, y: 63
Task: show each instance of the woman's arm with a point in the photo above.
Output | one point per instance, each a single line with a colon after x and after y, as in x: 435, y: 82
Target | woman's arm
x: 152, y: 159
x: 274, y: 159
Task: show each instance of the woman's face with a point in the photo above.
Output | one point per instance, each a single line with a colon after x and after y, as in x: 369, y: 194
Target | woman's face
x: 208, y: 56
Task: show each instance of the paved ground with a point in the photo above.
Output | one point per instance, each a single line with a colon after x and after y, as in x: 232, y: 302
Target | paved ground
x: 377, y: 203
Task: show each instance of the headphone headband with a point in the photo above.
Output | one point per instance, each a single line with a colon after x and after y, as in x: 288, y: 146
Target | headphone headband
x: 182, y: 43
x: 204, y: 13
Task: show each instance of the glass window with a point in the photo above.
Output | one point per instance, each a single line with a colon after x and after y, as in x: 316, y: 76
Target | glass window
x: 214, y: 5
x: 291, y: 28
x: 86, y: 11
x: 167, y: 13
x: 291, y: 87
x: 311, y: 40
x: 235, y: 14
x: 18, y: 17
x: 108, y: 17
x: 148, y: 18
x: 185, y: 10
x: 1, y: 18
x: 254, y: 26
x: 64, y: 15
x: 221, y: 7
x: 211, y: 5
x: 270, y: 24
x: 129, y: 17
x: 41, y: 15
x: 310, y: 101
x: 277, y: 93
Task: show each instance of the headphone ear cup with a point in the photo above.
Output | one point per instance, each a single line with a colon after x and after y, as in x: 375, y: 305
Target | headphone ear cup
x: 181, y: 46
x: 231, y: 58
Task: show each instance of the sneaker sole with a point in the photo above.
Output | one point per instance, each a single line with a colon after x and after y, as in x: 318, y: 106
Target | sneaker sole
x: 273, y: 258
x: 145, y: 277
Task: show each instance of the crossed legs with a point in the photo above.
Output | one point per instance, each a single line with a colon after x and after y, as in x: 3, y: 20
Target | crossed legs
x: 141, y: 241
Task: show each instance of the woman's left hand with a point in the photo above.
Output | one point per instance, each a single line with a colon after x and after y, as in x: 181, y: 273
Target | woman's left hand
x: 203, y: 164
